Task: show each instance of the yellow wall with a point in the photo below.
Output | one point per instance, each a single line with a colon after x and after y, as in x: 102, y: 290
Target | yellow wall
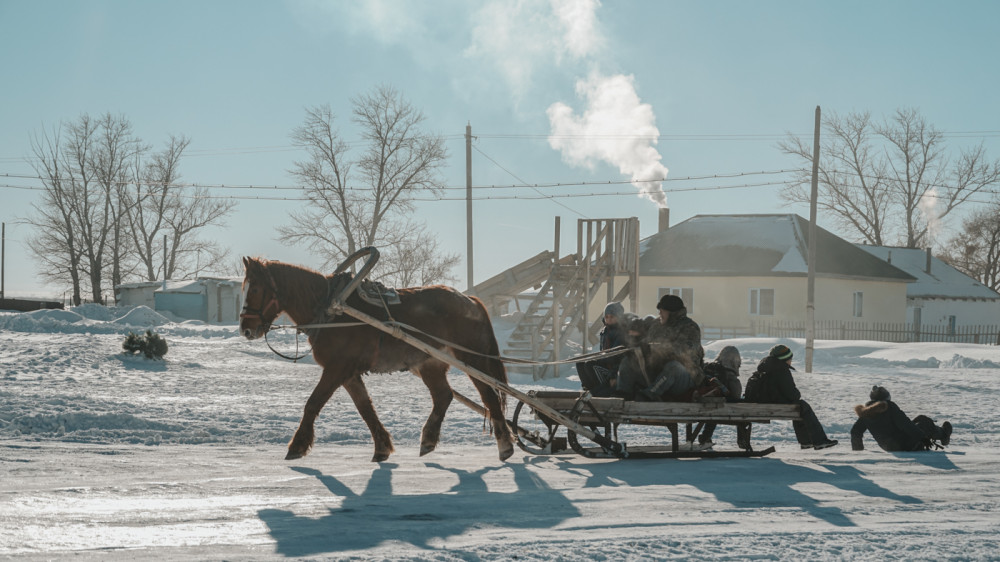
x: 724, y: 301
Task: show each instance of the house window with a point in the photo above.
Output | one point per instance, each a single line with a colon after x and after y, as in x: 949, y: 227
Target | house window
x: 685, y: 293
x: 951, y: 325
x: 761, y: 302
x: 858, y: 301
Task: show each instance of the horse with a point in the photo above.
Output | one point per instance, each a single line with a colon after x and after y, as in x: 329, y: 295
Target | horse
x: 454, y: 323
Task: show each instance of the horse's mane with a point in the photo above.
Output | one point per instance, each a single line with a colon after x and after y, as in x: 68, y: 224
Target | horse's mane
x: 299, y: 283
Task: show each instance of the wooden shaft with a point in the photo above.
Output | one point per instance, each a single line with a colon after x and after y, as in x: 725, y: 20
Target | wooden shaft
x: 499, y: 386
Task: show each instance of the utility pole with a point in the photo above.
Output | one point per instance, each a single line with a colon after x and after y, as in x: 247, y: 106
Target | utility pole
x: 811, y: 290
x: 3, y: 261
x: 164, y: 262
x: 468, y: 204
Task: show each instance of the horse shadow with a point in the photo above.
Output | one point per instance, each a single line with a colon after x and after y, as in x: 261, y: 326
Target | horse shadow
x: 377, y: 514
x: 745, y: 484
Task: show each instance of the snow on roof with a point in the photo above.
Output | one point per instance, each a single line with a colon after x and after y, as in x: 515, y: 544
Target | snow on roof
x: 756, y: 245
x: 943, y: 280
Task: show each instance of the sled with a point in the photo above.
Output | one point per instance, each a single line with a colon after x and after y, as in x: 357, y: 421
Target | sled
x: 538, y: 433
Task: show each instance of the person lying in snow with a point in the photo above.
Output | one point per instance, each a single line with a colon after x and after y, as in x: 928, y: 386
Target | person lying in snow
x: 892, y: 429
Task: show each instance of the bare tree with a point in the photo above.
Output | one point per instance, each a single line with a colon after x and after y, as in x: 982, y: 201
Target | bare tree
x: 364, y: 199
x: 103, y: 208
x: 889, y: 182
x: 976, y: 250
x: 163, y: 207
x: 115, y: 151
x: 54, y: 243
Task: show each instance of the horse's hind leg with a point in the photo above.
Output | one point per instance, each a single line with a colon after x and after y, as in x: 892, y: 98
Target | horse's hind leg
x: 434, y: 373
x: 505, y: 440
x: 363, y: 402
x: 305, y: 434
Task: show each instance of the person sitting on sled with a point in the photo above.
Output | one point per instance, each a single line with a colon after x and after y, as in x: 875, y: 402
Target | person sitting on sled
x: 892, y: 429
x: 726, y: 370
x: 772, y: 383
x: 598, y: 376
x: 675, y: 359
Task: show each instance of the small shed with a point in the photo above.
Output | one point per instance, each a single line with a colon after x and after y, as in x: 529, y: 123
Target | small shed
x: 215, y: 300
x: 137, y: 294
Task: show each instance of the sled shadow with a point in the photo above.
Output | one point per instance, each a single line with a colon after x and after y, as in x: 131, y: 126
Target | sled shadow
x: 743, y: 483
x: 376, y: 515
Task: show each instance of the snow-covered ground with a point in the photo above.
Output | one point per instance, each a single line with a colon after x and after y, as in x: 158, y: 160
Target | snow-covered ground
x: 109, y: 456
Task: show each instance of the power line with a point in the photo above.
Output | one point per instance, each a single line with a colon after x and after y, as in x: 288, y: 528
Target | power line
x: 523, y: 184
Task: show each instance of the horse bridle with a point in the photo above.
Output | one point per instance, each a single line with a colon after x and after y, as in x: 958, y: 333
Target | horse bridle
x: 261, y: 312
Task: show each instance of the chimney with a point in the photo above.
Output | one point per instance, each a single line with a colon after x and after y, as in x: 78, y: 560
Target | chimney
x: 664, y: 219
x: 889, y: 259
x: 928, y: 261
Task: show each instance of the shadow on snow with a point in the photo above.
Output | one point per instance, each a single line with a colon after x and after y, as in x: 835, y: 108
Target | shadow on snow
x: 377, y: 515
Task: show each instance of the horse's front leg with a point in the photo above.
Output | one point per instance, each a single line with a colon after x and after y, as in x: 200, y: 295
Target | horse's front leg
x: 363, y: 402
x: 328, y: 383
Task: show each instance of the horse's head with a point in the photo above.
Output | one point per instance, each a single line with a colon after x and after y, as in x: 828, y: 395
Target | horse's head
x: 260, y: 303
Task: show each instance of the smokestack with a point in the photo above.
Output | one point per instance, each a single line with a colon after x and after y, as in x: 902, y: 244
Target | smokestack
x: 928, y: 261
x: 664, y: 219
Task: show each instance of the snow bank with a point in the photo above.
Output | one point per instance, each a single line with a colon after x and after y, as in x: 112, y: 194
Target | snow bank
x: 142, y: 316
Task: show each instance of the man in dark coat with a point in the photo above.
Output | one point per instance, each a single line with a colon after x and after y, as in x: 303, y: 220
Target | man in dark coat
x: 778, y: 387
x: 598, y: 375
x: 892, y: 429
x: 676, y: 355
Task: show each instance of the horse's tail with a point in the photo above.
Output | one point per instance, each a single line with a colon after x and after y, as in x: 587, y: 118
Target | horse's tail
x: 491, y: 364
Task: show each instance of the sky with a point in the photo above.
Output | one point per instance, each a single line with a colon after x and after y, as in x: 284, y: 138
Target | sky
x: 556, y: 92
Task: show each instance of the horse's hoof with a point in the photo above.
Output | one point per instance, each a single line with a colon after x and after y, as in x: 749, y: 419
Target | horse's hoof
x: 293, y: 455
x: 506, y: 452
x: 424, y: 449
x: 379, y: 457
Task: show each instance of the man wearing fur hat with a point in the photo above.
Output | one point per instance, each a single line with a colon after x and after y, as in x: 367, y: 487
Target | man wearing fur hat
x: 675, y: 356
x: 892, y: 429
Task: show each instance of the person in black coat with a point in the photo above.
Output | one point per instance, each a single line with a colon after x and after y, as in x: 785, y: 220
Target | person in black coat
x: 726, y: 370
x: 778, y: 387
x: 892, y: 429
x: 598, y: 375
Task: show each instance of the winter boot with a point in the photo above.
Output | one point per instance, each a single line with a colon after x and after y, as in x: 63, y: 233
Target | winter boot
x: 946, y: 433
x: 655, y: 391
x: 825, y: 444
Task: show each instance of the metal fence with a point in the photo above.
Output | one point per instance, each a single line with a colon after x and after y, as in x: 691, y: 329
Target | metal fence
x: 836, y: 330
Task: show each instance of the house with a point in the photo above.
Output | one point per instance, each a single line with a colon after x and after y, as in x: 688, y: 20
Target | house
x: 941, y: 294
x: 215, y: 300
x: 737, y: 270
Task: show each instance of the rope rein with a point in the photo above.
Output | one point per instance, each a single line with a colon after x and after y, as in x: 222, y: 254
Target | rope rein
x: 399, y: 326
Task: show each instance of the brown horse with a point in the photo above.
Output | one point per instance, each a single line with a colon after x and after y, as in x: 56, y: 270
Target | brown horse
x: 346, y: 353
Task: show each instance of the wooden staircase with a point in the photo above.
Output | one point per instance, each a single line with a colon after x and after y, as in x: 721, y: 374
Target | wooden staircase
x: 561, y: 304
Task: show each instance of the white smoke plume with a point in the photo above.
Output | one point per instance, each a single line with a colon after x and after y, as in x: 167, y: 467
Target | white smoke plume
x: 928, y: 208
x: 615, y: 128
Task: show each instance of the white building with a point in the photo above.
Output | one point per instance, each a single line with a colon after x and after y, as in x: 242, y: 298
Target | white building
x: 941, y: 294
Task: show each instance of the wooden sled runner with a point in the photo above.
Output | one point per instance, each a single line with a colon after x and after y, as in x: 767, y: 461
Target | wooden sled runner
x: 539, y: 434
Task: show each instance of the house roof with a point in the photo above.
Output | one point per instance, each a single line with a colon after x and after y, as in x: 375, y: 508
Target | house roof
x: 942, y: 281
x: 756, y: 245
